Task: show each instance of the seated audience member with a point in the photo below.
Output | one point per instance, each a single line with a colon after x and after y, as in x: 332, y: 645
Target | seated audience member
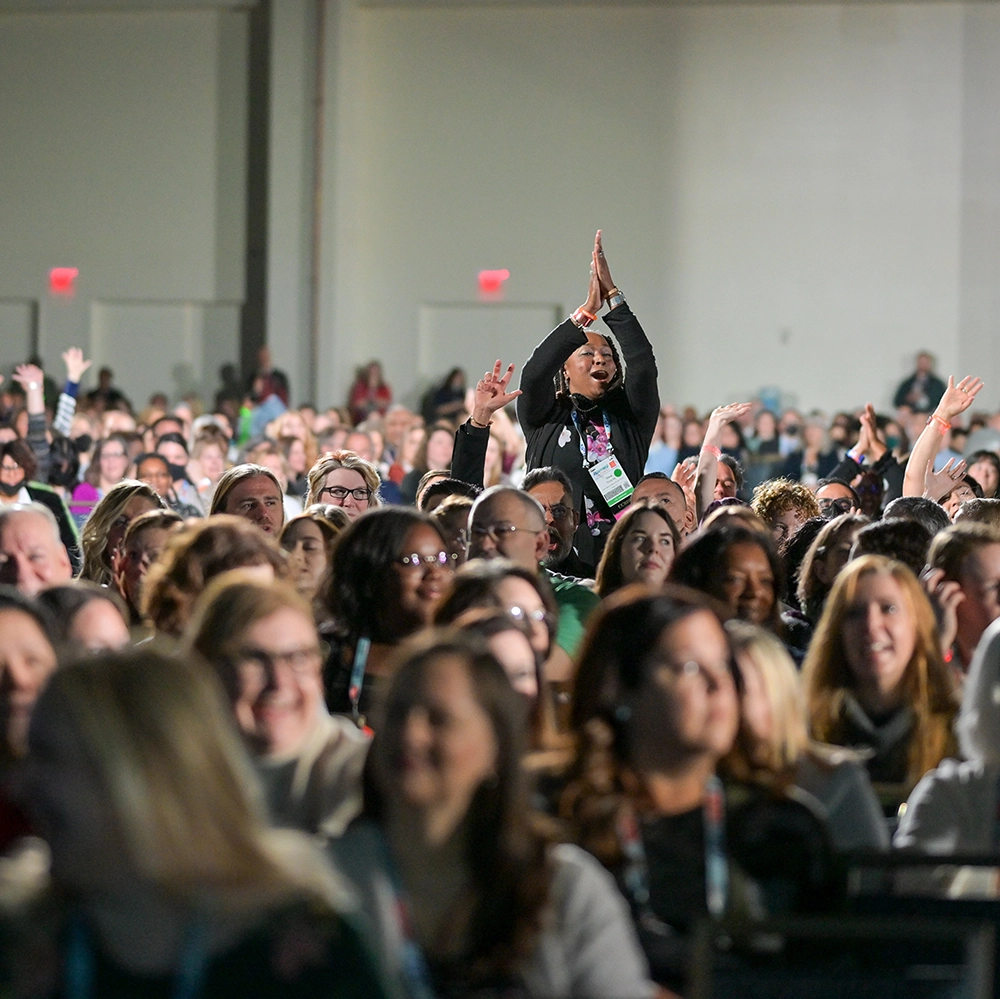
x: 344, y: 479
x: 829, y: 552
x: 904, y: 540
x: 89, y: 618
x: 253, y: 493
x: 836, y: 498
x: 261, y: 640
x: 18, y: 470
x: 979, y: 511
x: 268, y: 454
x: 209, y: 458
x: 430, y: 479
x: 552, y: 488
x: 732, y: 511
x: 434, y: 494
x: 105, y: 528
x: 174, y: 448
x: 968, y: 555
x: 965, y: 489
x: 166, y: 874
x: 154, y: 470
x: 456, y: 830
x: 145, y: 538
x: 658, y: 486
x: 434, y: 454
x: 923, y: 511
x: 32, y: 555
x: 874, y: 675
x: 451, y: 516
x: 308, y: 541
x: 738, y: 567
x: 27, y: 660
x: 784, y: 506
x: 508, y: 523
x: 773, y: 747
x: 954, y: 807
x: 107, y: 468
x: 196, y: 554
x: 641, y: 548
x: 984, y: 467
x: 816, y: 459
x: 655, y: 710
x: 390, y: 571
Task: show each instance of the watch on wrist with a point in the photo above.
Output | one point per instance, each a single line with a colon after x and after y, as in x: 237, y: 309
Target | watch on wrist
x: 615, y: 298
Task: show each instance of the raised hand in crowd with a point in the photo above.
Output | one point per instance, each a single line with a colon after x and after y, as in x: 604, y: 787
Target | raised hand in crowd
x: 711, y: 451
x: 955, y: 401
x: 32, y: 379
x: 491, y: 394
x: 871, y: 442
x: 76, y: 366
x: 945, y: 596
x: 937, y: 485
x: 684, y: 475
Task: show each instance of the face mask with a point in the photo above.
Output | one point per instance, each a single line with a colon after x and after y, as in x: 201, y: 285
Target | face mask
x: 176, y: 472
x: 892, y: 443
x: 8, y: 490
x: 792, y: 431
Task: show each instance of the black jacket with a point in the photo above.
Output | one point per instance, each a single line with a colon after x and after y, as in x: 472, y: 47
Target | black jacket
x: 632, y: 409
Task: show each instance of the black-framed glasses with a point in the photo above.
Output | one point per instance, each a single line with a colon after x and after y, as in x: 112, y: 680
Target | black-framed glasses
x: 300, y: 661
x: 417, y: 561
x: 338, y: 494
x: 559, y: 511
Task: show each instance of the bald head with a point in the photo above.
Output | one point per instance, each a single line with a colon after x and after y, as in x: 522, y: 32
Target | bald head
x: 32, y: 556
x: 508, y: 523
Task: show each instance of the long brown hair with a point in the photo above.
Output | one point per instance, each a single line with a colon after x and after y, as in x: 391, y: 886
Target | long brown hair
x: 927, y: 685
x: 505, y: 850
x: 609, y: 571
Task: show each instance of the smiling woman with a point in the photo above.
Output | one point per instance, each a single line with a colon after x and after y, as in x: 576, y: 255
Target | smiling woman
x: 584, y: 413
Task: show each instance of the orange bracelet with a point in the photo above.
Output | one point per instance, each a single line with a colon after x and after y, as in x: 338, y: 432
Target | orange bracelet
x: 943, y: 426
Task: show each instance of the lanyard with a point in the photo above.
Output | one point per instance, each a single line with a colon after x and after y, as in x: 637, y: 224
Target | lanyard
x: 414, y: 965
x: 636, y: 873
x: 583, y: 436
x: 79, y: 972
x: 358, y: 677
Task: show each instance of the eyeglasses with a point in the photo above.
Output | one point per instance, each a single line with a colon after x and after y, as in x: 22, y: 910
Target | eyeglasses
x: 13, y: 467
x: 338, y: 494
x: 831, y: 508
x: 538, y: 616
x: 113, y: 454
x: 300, y: 661
x: 416, y: 561
x: 559, y: 511
x: 497, y: 531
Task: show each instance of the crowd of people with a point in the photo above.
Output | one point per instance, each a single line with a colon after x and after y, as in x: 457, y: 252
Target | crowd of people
x: 491, y: 699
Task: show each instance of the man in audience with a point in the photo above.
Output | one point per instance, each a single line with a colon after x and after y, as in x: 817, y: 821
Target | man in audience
x: 660, y: 487
x: 508, y: 523
x: 32, y: 556
x: 969, y: 555
x: 836, y: 498
x: 552, y: 488
x: 922, y: 391
x: 252, y: 492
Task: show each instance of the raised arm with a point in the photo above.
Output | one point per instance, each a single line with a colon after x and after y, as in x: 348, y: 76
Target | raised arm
x: 76, y: 365
x: 711, y: 451
x: 538, y: 399
x: 31, y: 378
x: 469, y: 458
x: 955, y: 401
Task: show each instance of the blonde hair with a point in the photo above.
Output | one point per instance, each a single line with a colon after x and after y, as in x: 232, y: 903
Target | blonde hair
x: 328, y: 463
x: 780, y: 680
x: 927, y: 684
x: 94, y: 537
x: 180, y: 783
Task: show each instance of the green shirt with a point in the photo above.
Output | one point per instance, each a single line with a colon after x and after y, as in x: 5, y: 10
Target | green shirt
x: 576, y: 604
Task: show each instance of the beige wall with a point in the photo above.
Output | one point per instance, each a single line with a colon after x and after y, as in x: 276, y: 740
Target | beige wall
x: 783, y: 188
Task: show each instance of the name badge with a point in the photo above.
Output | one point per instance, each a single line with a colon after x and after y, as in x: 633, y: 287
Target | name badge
x: 613, y: 483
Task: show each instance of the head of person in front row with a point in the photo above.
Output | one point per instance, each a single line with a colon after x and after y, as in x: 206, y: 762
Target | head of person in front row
x: 88, y: 618
x: 347, y: 480
x: 32, y: 555
x: 253, y: 493
x: 137, y: 779
x: 194, y: 556
x: 144, y: 541
x: 641, y: 549
x: 874, y: 673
